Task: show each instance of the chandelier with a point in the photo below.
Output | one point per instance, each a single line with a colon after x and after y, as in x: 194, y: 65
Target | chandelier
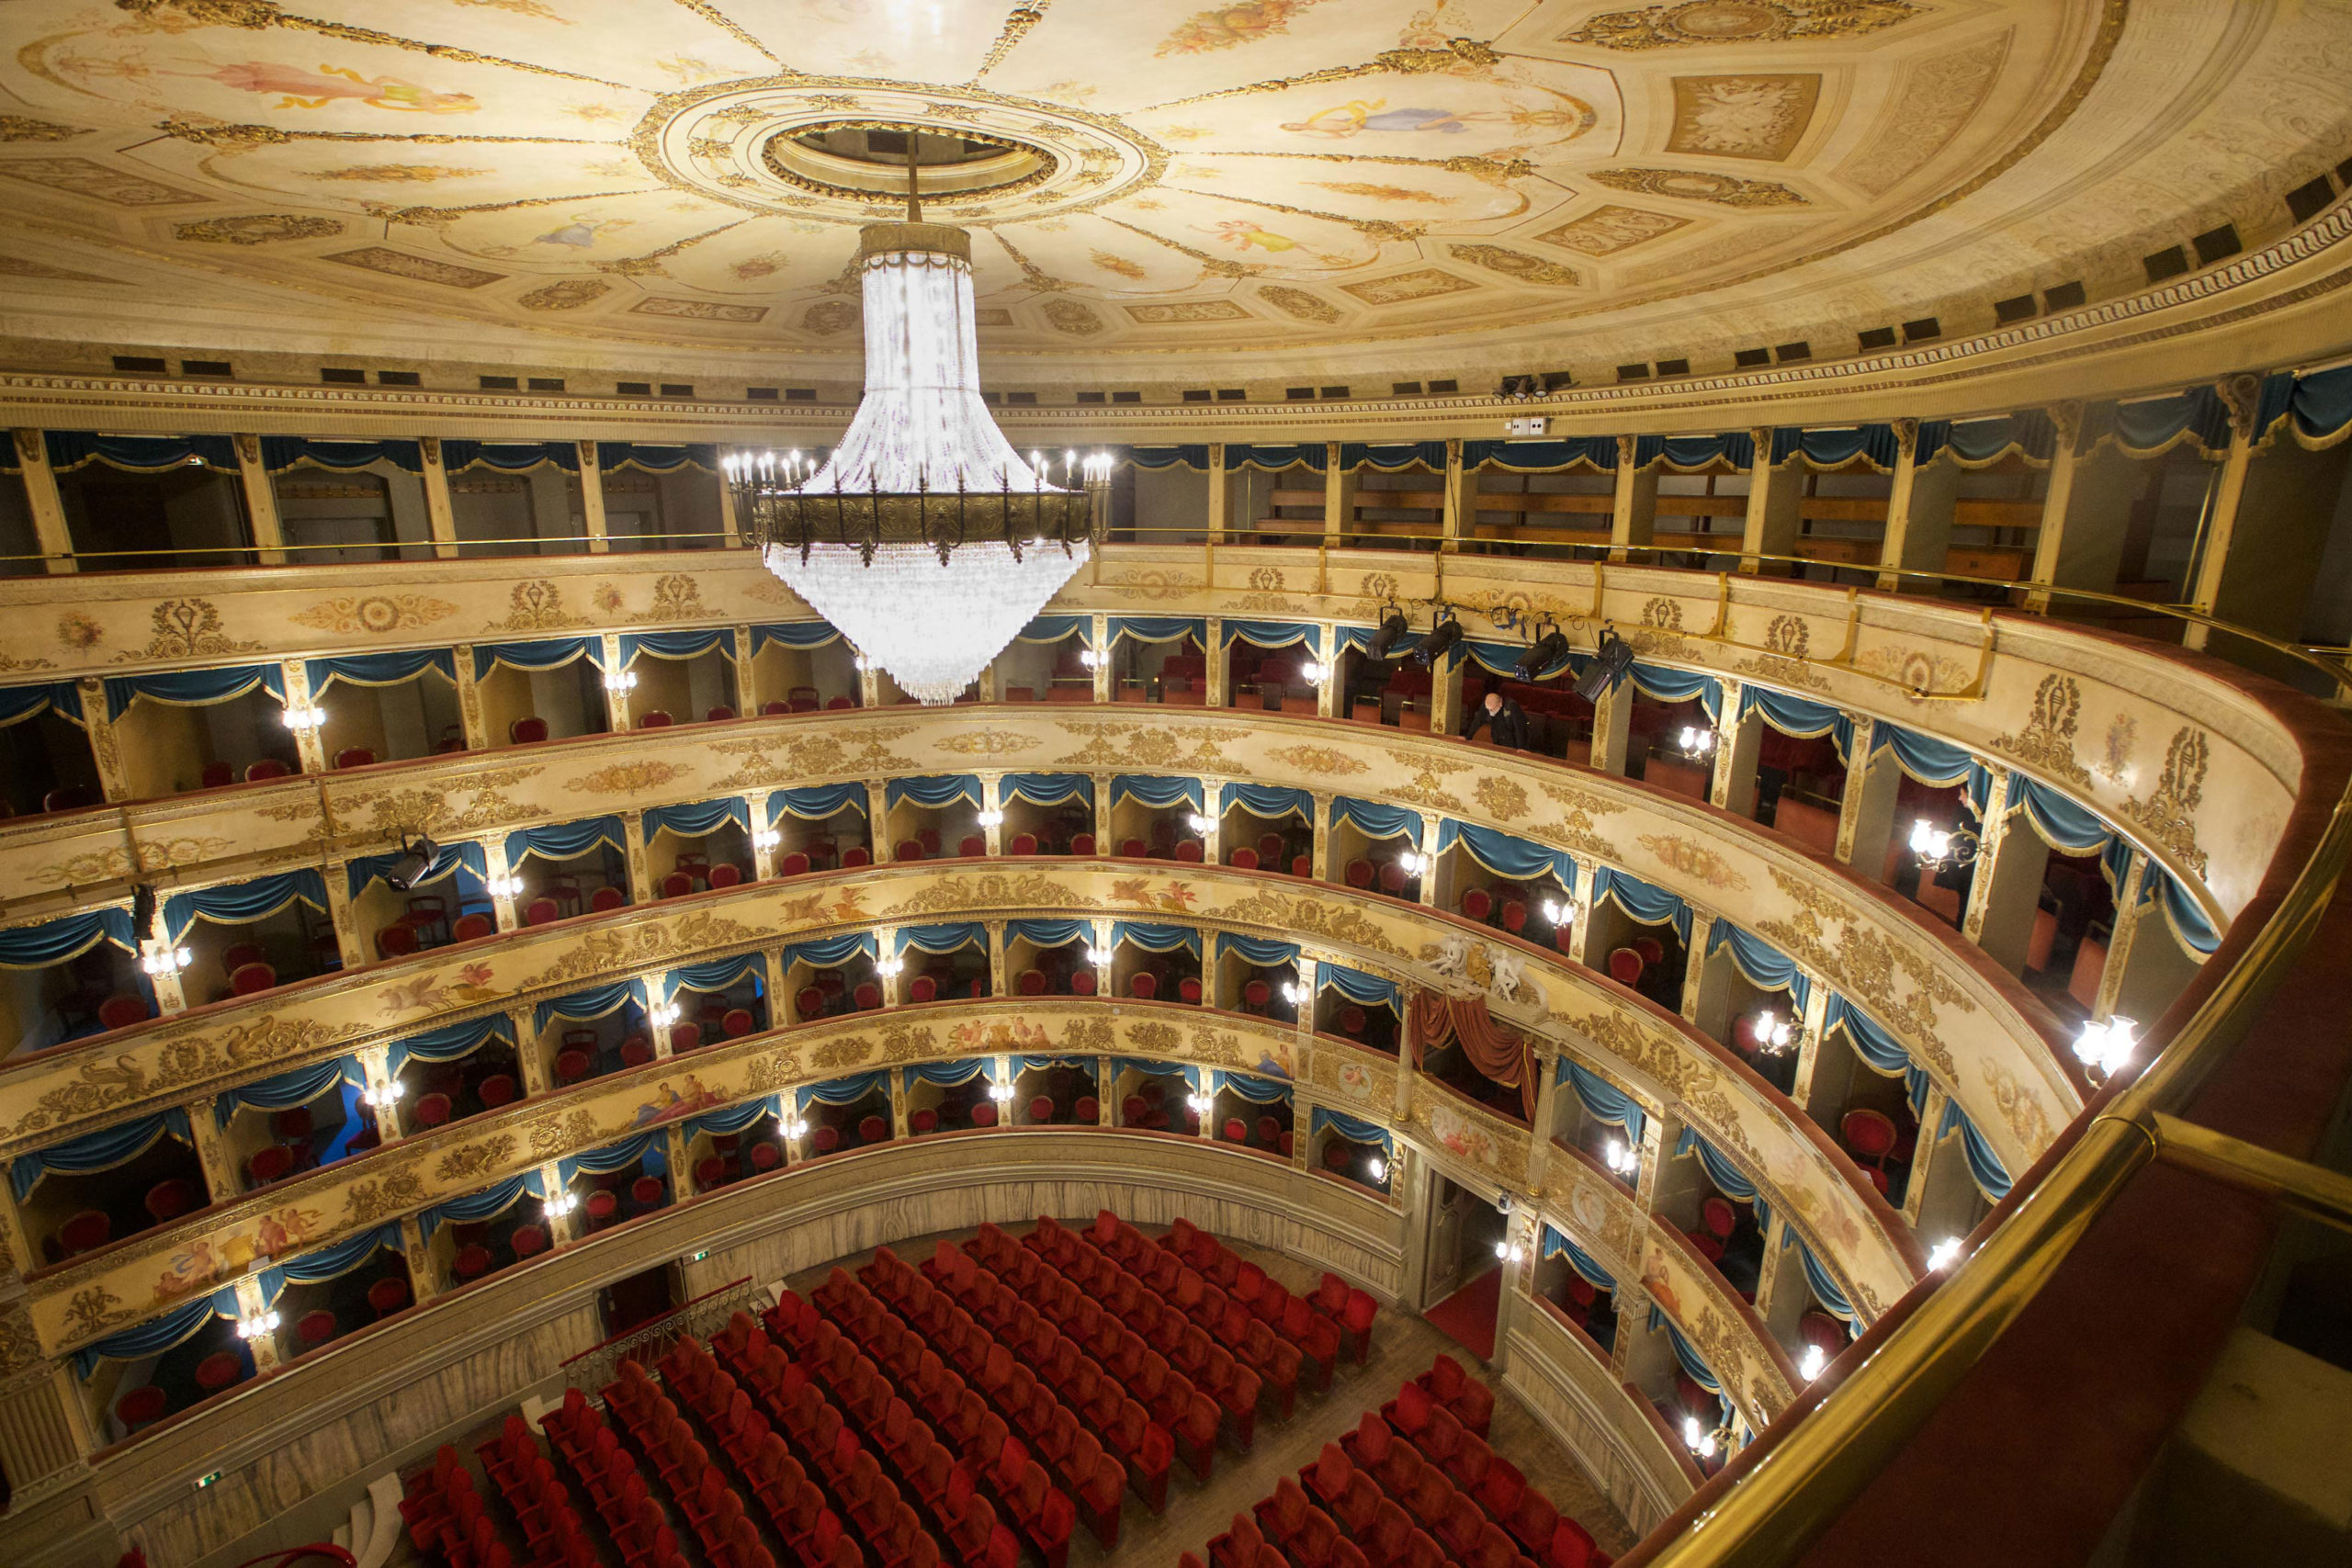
x: 924, y: 536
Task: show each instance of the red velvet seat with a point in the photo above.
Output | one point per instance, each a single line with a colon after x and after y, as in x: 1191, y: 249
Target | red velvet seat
x: 274, y: 1163
x: 387, y: 1296
x: 1625, y: 965
x: 218, y: 1371
x: 540, y: 912
x: 471, y: 1262
x: 141, y: 1407
x: 646, y: 1192
x: 250, y: 978
x: 1143, y: 985
x: 169, y: 1199
x: 85, y: 1232
x: 524, y: 732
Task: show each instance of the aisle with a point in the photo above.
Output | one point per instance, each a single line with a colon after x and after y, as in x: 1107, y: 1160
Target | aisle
x: 1467, y: 1316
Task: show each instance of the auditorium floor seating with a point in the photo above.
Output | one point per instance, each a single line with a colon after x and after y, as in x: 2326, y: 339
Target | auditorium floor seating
x: 705, y: 1528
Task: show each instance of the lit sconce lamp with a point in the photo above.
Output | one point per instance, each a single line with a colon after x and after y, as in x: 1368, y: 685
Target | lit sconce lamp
x: 866, y: 665
x: 796, y: 1128
x: 1703, y: 1442
x: 1200, y: 822
x: 167, y: 961
x: 1511, y: 1252
x: 1810, y: 1366
x: 1293, y: 993
x: 1697, y: 740
x: 2104, y: 1046
x: 991, y: 818
x: 620, y: 681
x: 560, y: 1205
x: 1376, y: 1167
x: 1775, y: 1035
x: 1098, y: 468
x: 1002, y: 1093
x: 1943, y: 1254
x: 889, y: 966
x: 766, y: 839
x: 1558, y: 913
x: 254, y: 1328
x: 1317, y: 672
x: 385, y: 1097
x: 1092, y: 658
x: 665, y: 1015
x: 509, y: 887
x: 304, y: 717
x: 1097, y: 957
x: 1413, y: 862
x: 1938, y: 849
x: 1200, y: 1104
x: 1622, y: 1157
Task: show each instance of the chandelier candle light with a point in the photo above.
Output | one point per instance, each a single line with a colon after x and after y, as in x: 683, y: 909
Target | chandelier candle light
x: 924, y: 536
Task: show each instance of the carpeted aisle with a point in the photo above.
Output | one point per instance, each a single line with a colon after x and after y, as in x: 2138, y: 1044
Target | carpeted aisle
x: 1467, y: 1316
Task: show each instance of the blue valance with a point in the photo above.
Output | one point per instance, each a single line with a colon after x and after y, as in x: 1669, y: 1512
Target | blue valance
x: 832, y: 953
x: 1391, y: 457
x: 1880, y: 1051
x: 511, y: 458
x: 2320, y: 404
x: 950, y: 1075
x: 1926, y: 758
x: 1557, y: 1245
x: 1541, y: 457
x: 1985, y: 1167
x: 1835, y: 449
x: 942, y: 789
x: 1495, y: 658
x: 1688, y: 453
x: 1157, y: 791
x: 379, y: 668
x: 1650, y: 906
x: 1269, y: 801
x: 1364, y: 990
x: 102, y: 1150
x: 550, y: 653
x: 1257, y: 1091
x: 1184, y: 454
x: 2067, y: 826
x: 1273, y: 458
x: 287, y: 1089
x: 1155, y: 938
x: 1692, y: 1366
x: 18, y: 703
x: 486, y: 1204
x: 1345, y: 637
x: 936, y: 940
x: 54, y: 941
x: 1045, y: 789
x: 1507, y: 855
x: 565, y: 840
x: 718, y: 974
x: 1273, y: 634
x: 1800, y: 716
x: 2150, y: 426
x: 1055, y: 629
x: 1188, y: 1075
x: 1048, y: 1064
x: 449, y: 859
x: 326, y: 1263
x: 1825, y: 1289
x: 2184, y: 915
x: 611, y: 1157
x: 1729, y: 1179
x: 157, y: 1335
x: 1354, y: 1129
x: 240, y: 902
x: 1603, y: 1101
x: 595, y: 1002
x: 802, y: 634
x: 1159, y: 628
x: 1375, y: 821
x: 1659, y: 683
x: 194, y: 688
x: 1261, y: 950
x: 843, y: 1092
x: 818, y: 803
x: 612, y: 454
x: 735, y: 1119
x: 694, y: 819
x: 1980, y: 443
x: 1049, y: 933
x: 1765, y: 965
x: 279, y: 453
x: 69, y: 449
x: 676, y: 644
x: 452, y: 1041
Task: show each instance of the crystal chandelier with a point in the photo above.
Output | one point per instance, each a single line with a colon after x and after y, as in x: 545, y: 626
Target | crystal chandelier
x: 924, y: 537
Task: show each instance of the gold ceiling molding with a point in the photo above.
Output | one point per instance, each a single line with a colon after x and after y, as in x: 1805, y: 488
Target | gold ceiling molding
x: 1718, y: 22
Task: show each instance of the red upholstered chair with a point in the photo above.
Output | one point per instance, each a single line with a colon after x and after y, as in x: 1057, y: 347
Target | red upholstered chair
x: 920, y: 1123
x: 1087, y: 1112
x: 1391, y: 878
x: 868, y: 997
x: 607, y: 899
x: 1625, y: 965
x: 906, y: 850
x: 141, y: 1407
x: 1133, y: 849
x: 1256, y: 995
x: 973, y: 846
x: 216, y: 775
x: 726, y: 873
x: 1650, y: 950
x: 1024, y: 843
x: 1188, y: 989
x: 1869, y: 1134
x: 432, y: 1111
x: 770, y: 709
x: 1477, y: 904
x: 1718, y: 1218
x: 646, y: 1192
x: 636, y: 1051
x: 654, y: 718
x: 540, y: 912
x: 267, y: 768
x: 809, y: 1003
x: 315, y: 1329
x: 873, y: 1130
x: 1235, y: 1131
x: 1359, y: 875
x: 1031, y: 982
x: 86, y: 1232
x: 1189, y: 851
x: 1143, y: 985
x: 524, y: 732
x: 737, y: 1022
x: 840, y: 704
x: 765, y: 1156
x: 396, y: 941
x: 572, y: 1067
x: 1269, y: 1131
x: 1083, y: 981
x: 923, y: 988
x: 355, y: 756
x: 472, y: 928
x: 218, y: 1371
x: 251, y: 978
x: 496, y: 1091
x: 854, y: 856
x: 1082, y: 843
x: 471, y: 1262
x: 274, y: 1163
x: 120, y: 1011
x: 169, y: 1199
x: 1244, y: 858
x: 677, y: 884
x: 387, y: 1296
x: 684, y: 1036
x: 721, y: 712
x: 984, y: 1114
x: 1353, y: 1021
x: 600, y: 1207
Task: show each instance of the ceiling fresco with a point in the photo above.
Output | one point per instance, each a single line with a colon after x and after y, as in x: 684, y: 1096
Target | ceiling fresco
x: 1250, y: 175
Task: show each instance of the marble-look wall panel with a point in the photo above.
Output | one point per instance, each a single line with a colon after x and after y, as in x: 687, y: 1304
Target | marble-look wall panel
x: 1573, y: 1393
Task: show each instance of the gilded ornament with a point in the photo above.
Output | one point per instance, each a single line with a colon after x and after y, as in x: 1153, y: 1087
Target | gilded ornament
x: 1699, y: 184
x: 1696, y: 23
x: 1197, y: 748
x: 988, y: 890
x: 1516, y: 265
x: 2167, y: 813
x: 1298, y: 303
x: 186, y: 628
x: 536, y: 606
x: 604, y: 950
x: 1695, y: 860
x: 474, y: 1161
x: 2047, y: 742
x: 1501, y: 799
x: 256, y: 229
x: 375, y: 613
x: 676, y: 597
x: 796, y: 760
x: 628, y: 778
x: 1318, y: 761
x: 372, y: 1203
x: 987, y: 743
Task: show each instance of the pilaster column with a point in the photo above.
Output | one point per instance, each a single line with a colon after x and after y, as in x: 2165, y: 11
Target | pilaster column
x: 1923, y: 1154
x: 1919, y: 510
x: 869, y: 686
x: 877, y: 818
x: 535, y: 1068
x: 1213, y: 807
x: 1098, y: 637
x: 1738, y: 742
x: 1538, y: 1147
x: 1429, y: 820
x: 764, y: 857
x: 657, y: 1031
x: 1772, y: 497
x: 309, y: 745
x: 1700, y: 988
x: 1461, y: 514
x: 616, y: 718
x: 681, y: 1175
x: 261, y: 502
x: 1220, y: 662
x: 563, y: 1229
x: 592, y: 499
x: 1632, y: 513
x: 1100, y: 942
x: 2272, y: 510
x: 1612, y: 718
x: 899, y: 1111
x: 1812, y: 1024
x: 2011, y: 860
x: 992, y: 802
x: 440, y: 514
x: 1581, y: 928
x: 104, y: 752
x: 1338, y: 495
x: 640, y: 885
x: 211, y: 1156
x: 1445, y: 697
x: 2085, y: 511
x: 1866, y: 808
x: 354, y: 948
x: 998, y: 964
x: 1103, y: 844
x: 894, y: 984
x: 171, y: 996
x: 1322, y: 836
x: 470, y: 716
x: 41, y: 499
x: 1329, y: 694
x: 747, y: 676
x: 375, y: 1062
x: 421, y: 1284
x: 987, y: 682
x: 264, y: 1347
x: 501, y: 905
x: 1220, y: 520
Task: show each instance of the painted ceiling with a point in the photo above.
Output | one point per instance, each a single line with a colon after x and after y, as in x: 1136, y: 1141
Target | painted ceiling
x: 1292, y: 175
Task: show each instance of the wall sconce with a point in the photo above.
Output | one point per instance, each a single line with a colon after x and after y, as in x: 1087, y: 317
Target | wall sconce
x: 1413, y: 862
x: 991, y: 818
x: 887, y: 967
x: 167, y: 961
x: 620, y: 681
x: 1200, y: 1104
x: 1317, y: 672
x: 1376, y: 1167
x: 766, y: 839
x: 1938, y: 849
x: 1092, y: 658
x: 1703, y: 1442
x: 865, y: 666
x: 2103, y: 1047
x: 505, y: 886
x: 1810, y: 1365
x: 560, y: 1205
x: 1200, y: 822
x: 1558, y: 913
x: 796, y: 1128
x: 385, y: 1097
x: 665, y: 1015
x: 1511, y: 1252
x: 1622, y: 1157
x: 1697, y: 740
x: 1777, y: 1036
x: 1295, y: 994
x: 1943, y: 1254
x: 1097, y: 957
x: 305, y: 717
x: 254, y: 1328
x: 1002, y: 1093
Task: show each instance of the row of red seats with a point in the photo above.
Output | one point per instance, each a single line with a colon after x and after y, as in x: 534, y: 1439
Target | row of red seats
x: 1311, y: 1323
x: 445, y: 1514
x: 1453, y: 1482
x: 1350, y: 1307
x: 608, y: 1472
x: 1025, y: 1348
x: 949, y: 1487
x: 1038, y: 1501
x: 1181, y: 1329
x: 713, y: 1507
x: 541, y: 1505
x: 1469, y: 1401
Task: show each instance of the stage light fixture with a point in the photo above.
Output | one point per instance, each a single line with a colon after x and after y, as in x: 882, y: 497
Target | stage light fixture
x: 417, y: 855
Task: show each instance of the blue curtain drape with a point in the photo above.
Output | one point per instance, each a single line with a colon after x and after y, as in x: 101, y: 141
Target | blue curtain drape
x: 102, y: 1150
x: 1659, y: 683
x: 1159, y: 628
x: 796, y: 634
x: 509, y: 457
x: 2067, y: 826
x: 334, y: 1262
x: 1650, y: 906
x: 486, y: 1204
x: 192, y: 688
x: 1825, y: 1289
x: 1354, y: 1129
x: 1930, y: 761
x: 580, y: 1007
x: 1375, y: 821
x: 2149, y: 426
x: 453, y: 1041
x: 612, y: 454
x: 1155, y: 938
x: 287, y: 1089
x: 2320, y: 404
x: 1800, y: 716
x: 1507, y: 854
x: 935, y: 939
x: 18, y: 703
x: 831, y: 952
x: 1055, y: 629
x: 551, y: 653
x: 610, y: 1159
x: 944, y: 789
x: 1764, y: 965
x: 1985, y: 1167
x: 1049, y: 933
x: 1980, y: 443
x: 1835, y: 449
x: 1273, y: 634
x: 1045, y: 789
x: 1271, y: 459
x: 449, y: 860
x: 69, y: 449
x: 818, y: 803
x: 1364, y: 990
x: 718, y: 974
x: 1157, y: 791
x: 1692, y: 1366
x: 1191, y: 1075
x: 565, y: 840
x: 279, y: 453
x: 694, y: 819
x: 843, y: 1092
x: 1269, y: 801
x: 2185, y: 916
x: 735, y: 1119
x: 1557, y: 1245
x: 1688, y: 452
x: 1603, y: 1101
x: 1392, y: 456
x: 1184, y: 454
x: 157, y: 1335
x: 1264, y: 953
x: 54, y: 941
x: 379, y: 668
x: 1257, y: 1091
x: 1728, y: 1178
x: 1541, y: 457
x: 676, y: 644
x: 950, y: 1075
x: 240, y: 903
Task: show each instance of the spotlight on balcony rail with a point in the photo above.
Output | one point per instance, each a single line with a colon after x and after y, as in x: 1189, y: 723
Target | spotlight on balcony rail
x: 1547, y: 654
x: 1393, y: 629
x: 417, y: 855
x: 1609, y: 662
x: 1446, y: 633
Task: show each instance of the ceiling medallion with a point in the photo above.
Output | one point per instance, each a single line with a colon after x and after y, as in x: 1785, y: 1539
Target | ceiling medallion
x: 834, y: 148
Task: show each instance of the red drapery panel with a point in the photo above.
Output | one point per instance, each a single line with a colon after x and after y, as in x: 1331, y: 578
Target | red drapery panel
x: 1497, y: 1052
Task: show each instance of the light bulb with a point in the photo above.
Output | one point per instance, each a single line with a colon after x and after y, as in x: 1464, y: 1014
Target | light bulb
x: 505, y: 886
x: 560, y: 1205
x: 1815, y: 1359
x: 1292, y: 993
x: 2108, y: 1045
x: 1199, y: 822
x: 890, y: 965
x: 1413, y: 862
x: 766, y: 839
x: 1317, y: 672
x: 1092, y: 657
x: 304, y: 717
x: 991, y: 818
x: 1707, y: 1445
x: 620, y: 680
x: 1377, y: 1168
x: 1097, y: 957
x: 797, y: 1129
x: 1692, y: 1433
x: 1555, y: 912
x: 1943, y: 1254
x: 664, y: 1016
x: 1001, y: 1092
